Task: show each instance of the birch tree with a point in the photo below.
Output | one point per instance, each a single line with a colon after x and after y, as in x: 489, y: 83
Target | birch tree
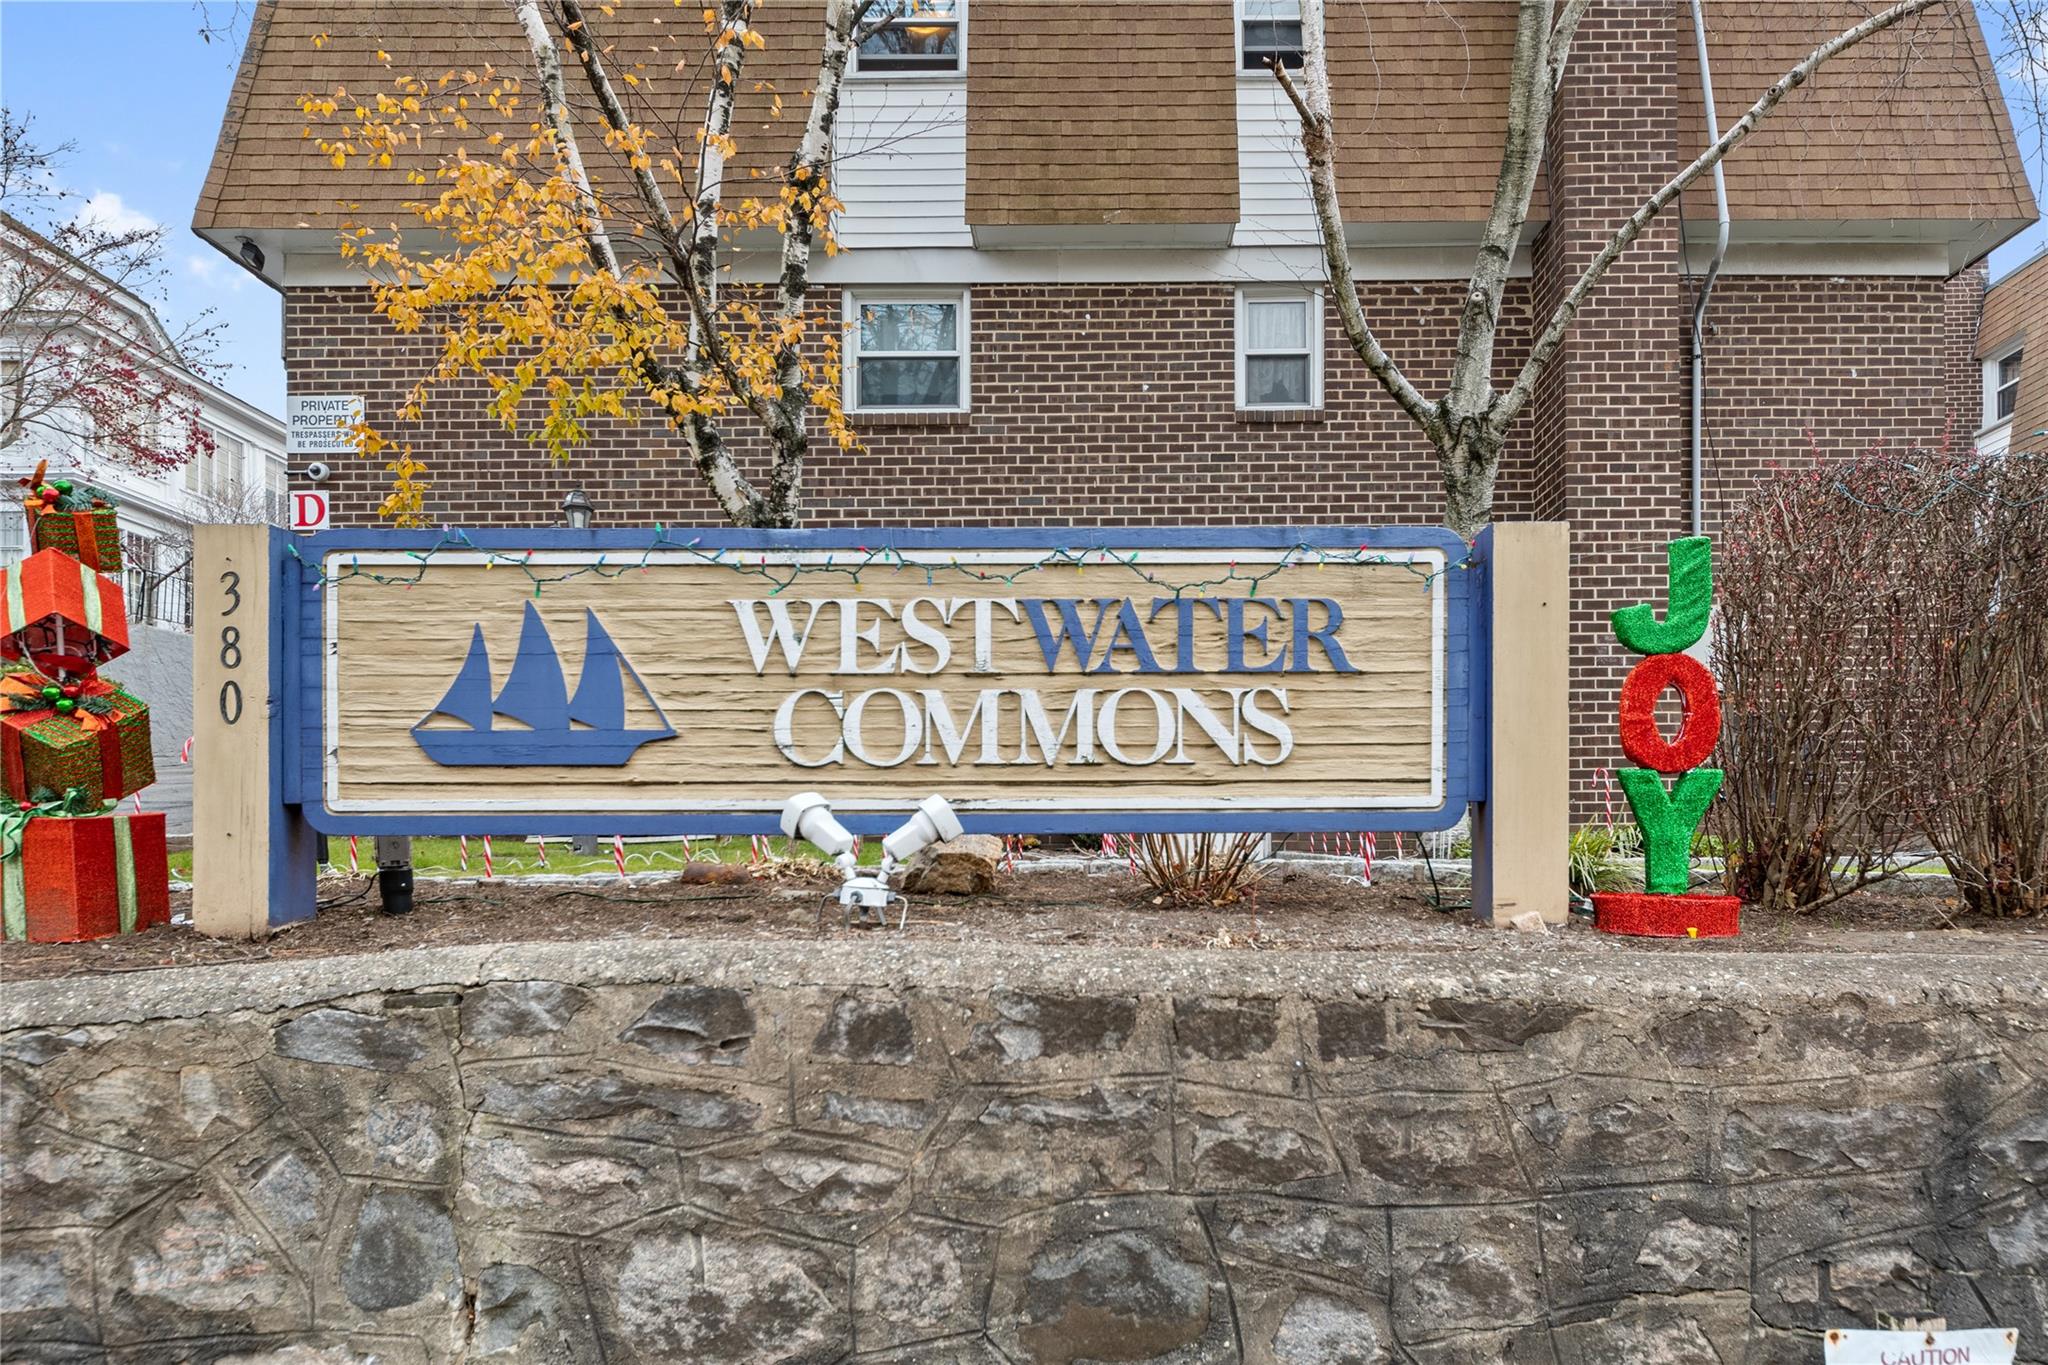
x: 587, y: 298
x: 1468, y: 423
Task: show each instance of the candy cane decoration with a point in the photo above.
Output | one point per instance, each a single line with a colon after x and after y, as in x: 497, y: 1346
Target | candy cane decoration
x: 619, y: 853
x: 462, y: 849
x: 138, y: 801
x: 489, y: 871
x: 1368, y: 846
x: 185, y: 753
x: 355, y: 863
x: 540, y: 847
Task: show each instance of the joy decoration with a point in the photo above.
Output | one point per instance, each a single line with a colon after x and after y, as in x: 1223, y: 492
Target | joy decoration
x: 1670, y: 817
x: 72, y: 744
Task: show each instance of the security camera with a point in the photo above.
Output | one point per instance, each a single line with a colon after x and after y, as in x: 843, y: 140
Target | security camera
x: 250, y: 253
x: 318, y: 471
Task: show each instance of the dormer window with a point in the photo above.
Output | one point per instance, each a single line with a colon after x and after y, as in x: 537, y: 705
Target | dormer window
x: 1266, y: 30
x: 911, y: 38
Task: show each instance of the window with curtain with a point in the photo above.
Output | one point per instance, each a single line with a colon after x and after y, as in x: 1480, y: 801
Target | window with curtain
x: 1278, y: 350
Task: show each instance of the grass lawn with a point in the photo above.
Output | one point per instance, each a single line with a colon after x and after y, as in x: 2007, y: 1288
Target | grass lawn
x: 512, y: 857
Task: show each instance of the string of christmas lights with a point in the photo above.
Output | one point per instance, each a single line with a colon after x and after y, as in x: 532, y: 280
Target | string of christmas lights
x: 863, y: 559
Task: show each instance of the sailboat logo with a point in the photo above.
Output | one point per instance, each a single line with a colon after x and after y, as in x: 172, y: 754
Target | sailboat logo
x: 584, y: 731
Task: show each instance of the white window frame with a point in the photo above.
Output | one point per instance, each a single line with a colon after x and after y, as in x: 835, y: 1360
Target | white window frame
x: 1237, y: 24
x: 853, y: 300
x: 958, y: 73
x: 1992, y: 386
x: 1251, y: 294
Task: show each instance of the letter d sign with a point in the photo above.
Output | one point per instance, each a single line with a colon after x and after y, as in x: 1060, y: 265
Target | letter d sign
x: 309, y: 511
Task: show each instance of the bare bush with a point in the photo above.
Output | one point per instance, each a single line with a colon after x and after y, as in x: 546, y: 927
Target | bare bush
x: 1198, y: 869
x: 1882, y: 639
x: 1808, y: 642
x: 1976, y: 532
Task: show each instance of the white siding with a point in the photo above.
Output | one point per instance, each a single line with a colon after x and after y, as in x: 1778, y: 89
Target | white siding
x: 903, y: 163
x: 1274, y: 208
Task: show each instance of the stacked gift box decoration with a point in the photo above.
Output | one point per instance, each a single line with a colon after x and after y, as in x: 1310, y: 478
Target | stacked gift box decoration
x: 72, y: 744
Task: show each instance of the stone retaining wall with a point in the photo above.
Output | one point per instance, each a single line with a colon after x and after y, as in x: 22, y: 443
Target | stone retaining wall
x: 747, y: 1153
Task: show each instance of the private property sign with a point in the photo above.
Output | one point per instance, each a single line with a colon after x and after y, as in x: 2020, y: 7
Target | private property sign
x: 320, y: 423
x: 1044, y: 680
x: 1224, y: 684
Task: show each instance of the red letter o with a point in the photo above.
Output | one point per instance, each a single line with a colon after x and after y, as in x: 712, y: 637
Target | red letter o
x: 1642, y: 741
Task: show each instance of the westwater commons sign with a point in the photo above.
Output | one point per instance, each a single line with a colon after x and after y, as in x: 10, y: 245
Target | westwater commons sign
x: 1237, y: 679
x: 1044, y: 680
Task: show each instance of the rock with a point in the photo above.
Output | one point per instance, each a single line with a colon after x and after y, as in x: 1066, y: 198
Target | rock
x: 402, y: 1251
x: 1322, y: 1331
x: 730, y: 1300
x: 875, y: 1031
x: 957, y: 867
x: 1215, y: 1029
x: 1126, y: 1294
x: 519, y: 1009
x: 696, y: 1024
x: 518, y: 1313
x: 346, y: 1038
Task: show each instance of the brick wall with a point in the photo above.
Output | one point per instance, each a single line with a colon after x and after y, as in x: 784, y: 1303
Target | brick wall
x: 1855, y: 362
x: 1095, y: 404
x: 1619, y: 393
x: 1962, y: 307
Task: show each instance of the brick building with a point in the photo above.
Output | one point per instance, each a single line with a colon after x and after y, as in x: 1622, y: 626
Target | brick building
x: 1096, y: 215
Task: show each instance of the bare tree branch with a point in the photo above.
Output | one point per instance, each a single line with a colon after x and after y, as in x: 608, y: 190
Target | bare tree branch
x: 1318, y: 139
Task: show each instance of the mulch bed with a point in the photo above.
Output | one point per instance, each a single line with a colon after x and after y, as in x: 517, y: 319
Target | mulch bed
x: 1296, y: 910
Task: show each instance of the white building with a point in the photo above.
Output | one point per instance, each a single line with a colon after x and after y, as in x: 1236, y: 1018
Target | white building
x: 50, y: 301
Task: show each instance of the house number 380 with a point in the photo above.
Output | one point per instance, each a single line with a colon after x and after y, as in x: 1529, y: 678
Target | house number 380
x: 231, y: 650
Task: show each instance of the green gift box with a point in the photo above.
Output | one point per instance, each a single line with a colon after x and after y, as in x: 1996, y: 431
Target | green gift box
x: 101, y: 748
x: 92, y: 537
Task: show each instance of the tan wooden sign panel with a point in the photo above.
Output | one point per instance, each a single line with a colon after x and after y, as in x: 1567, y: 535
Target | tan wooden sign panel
x: 1073, y: 690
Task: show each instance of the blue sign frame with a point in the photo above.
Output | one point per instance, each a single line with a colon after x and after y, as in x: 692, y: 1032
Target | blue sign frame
x: 299, y: 664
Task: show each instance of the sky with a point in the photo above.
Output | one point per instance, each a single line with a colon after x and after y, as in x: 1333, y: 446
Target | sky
x: 139, y: 93
x: 133, y: 85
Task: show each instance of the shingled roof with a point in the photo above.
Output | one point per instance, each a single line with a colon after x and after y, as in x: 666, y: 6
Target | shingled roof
x: 267, y: 169
x: 1909, y: 124
x: 1101, y: 114
x: 1124, y: 112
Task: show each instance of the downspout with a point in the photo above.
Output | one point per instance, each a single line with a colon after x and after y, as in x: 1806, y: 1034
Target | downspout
x: 1699, y: 309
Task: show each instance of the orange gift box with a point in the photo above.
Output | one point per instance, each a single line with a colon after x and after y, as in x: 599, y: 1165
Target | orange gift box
x: 83, y: 877
x: 60, y: 615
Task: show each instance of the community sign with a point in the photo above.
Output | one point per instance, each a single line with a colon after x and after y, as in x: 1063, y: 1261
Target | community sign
x: 1201, y: 678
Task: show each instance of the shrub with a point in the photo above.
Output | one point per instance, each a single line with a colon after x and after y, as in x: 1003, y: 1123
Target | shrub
x: 1978, y: 732
x: 1882, y: 640
x: 1199, y: 869
x: 1808, y: 625
x: 1598, y: 859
